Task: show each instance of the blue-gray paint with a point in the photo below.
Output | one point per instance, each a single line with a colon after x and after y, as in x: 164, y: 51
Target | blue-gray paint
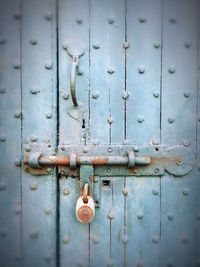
x: 138, y: 82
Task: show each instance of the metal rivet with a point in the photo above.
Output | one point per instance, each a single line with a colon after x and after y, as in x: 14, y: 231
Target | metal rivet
x: 95, y: 239
x: 48, y: 16
x: 155, y: 239
x: 125, y: 95
x: 34, y: 91
x: 66, y: 191
x: 64, y: 46
x: 17, y: 65
x: 65, y: 96
x: 110, y: 119
x: 48, y: 115
x: 18, y: 210
x: 126, y: 45
x: 110, y: 149
x: 17, y: 114
x: 185, y: 240
x: 18, y: 162
x: 142, y: 19
x: 156, y: 94
x: 2, y: 90
x: 95, y: 94
x: 187, y: 44
x: 156, y: 45
x: 96, y: 46
x: 172, y: 70
x: 33, y: 186
x: 2, y: 138
x: 156, y: 170
x: 140, y: 215
x: 141, y: 69
x: 66, y: 240
x: 111, y: 20
x: 155, y: 192
x: 48, y: 65
x: 49, y: 170
x: 17, y: 15
x: 110, y: 70
x: 187, y: 94
x: 155, y: 141
x: 33, y: 41
x: 111, y: 215
x: 85, y: 149
x: 109, y: 170
x: 34, y: 138
x: 136, y: 148
x: 3, y: 233
x: 125, y: 239
x: 2, y: 187
x: 186, y: 143
x: 179, y: 161
x: 48, y: 211
x: 170, y: 120
x: 140, y: 119
x: 27, y: 148
x: 170, y: 217
x: 2, y: 41
x: 172, y: 20
x: 79, y: 20
x: 186, y: 191
x: 125, y: 192
x: 34, y: 234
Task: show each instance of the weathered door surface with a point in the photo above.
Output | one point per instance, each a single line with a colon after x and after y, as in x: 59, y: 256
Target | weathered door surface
x: 103, y: 94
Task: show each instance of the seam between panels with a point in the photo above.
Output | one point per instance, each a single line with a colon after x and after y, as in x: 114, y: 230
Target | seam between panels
x: 57, y: 214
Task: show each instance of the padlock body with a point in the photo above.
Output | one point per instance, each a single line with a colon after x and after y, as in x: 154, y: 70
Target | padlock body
x: 85, y: 212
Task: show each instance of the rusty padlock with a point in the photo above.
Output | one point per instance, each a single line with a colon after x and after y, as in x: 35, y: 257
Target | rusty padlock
x: 85, y: 207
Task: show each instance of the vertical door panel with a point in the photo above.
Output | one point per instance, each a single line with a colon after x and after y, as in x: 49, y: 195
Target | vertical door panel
x: 38, y: 37
x: 10, y: 134
x: 73, y: 24
x: 179, y: 196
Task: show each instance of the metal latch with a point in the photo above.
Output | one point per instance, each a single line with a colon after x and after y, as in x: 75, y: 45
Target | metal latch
x: 109, y: 161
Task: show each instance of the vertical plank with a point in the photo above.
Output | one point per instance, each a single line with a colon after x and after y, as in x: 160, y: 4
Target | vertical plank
x: 10, y: 134
x: 143, y: 67
x: 143, y: 71
x: 39, y: 129
x: 179, y: 197
x: 73, y: 27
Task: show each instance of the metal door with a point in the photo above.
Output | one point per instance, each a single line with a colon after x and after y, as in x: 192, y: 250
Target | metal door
x: 134, y: 96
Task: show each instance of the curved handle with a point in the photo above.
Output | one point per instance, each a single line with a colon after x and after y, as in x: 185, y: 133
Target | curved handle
x: 73, y: 80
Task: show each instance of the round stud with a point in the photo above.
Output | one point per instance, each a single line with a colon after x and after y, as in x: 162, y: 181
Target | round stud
x: 18, y: 162
x: 17, y: 15
x: 2, y: 138
x: 110, y: 70
x: 66, y: 240
x: 47, y: 211
x: 170, y: 120
x: 33, y: 41
x: 125, y: 239
x: 33, y: 186
x: 136, y: 149
x: 155, y: 192
x: 173, y: 20
x: 156, y: 94
x: 141, y: 69
x: 186, y: 143
x: 110, y: 149
x: 140, y: 215
x: 48, y: 16
x: 142, y: 19
x: 34, y: 138
x: 66, y: 192
x: 48, y: 65
x: 49, y: 170
x: 27, y: 148
x: 186, y: 191
x: 65, y: 96
x: 16, y: 65
x: 17, y: 114
x: 187, y: 44
x: 3, y: 233
x: 172, y: 70
x: 85, y: 149
x: 170, y: 217
x: 95, y: 94
x: 140, y: 119
x: 111, y: 215
x: 156, y: 45
x: 125, y: 192
x: 125, y: 95
x: 155, y: 141
x: 2, y: 90
x: 96, y: 46
x: 48, y: 115
x: 34, y: 91
x: 34, y: 234
x: 185, y: 240
x: 110, y: 120
x: 111, y: 20
x: 2, y: 187
x: 79, y: 20
x: 18, y: 210
x: 96, y: 142
x: 187, y: 94
x: 126, y: 45
x: 155, y: 239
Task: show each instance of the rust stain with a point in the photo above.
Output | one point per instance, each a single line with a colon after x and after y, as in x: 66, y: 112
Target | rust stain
x: 100, y: 161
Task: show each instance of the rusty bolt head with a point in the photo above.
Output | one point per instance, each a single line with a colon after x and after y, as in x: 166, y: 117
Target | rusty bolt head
x: 141, y: 69
x: 2, y: 90
x: 126, y: 45
x: 125, y: 192
x: 33, y: 41
x: 110, y: 70
x: 172, y: 70
x: 156, y: 45
x: 125, y: 95
x: 66, y: 191
x: 65, y: 96
x: 111, y: 20
x: 79, y: 20
x: 96, y: 46
x: 111, y: 215
x: 2, y: 187
x: 95, y: 94
x: 142, y: 19
x: 2, y: 138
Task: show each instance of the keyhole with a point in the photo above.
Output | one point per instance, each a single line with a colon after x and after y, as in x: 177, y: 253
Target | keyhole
x: 83, y: 123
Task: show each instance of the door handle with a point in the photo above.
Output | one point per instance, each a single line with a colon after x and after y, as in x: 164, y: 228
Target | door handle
x: 75, y: 62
